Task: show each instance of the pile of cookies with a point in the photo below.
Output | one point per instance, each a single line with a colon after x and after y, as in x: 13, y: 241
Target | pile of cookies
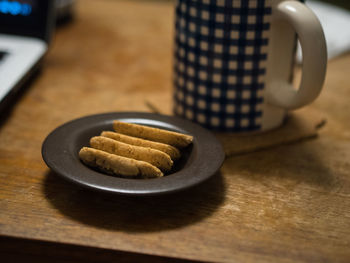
x: 134, y: 150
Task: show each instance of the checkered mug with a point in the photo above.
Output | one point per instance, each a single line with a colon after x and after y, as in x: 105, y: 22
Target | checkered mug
x: 234, y: 62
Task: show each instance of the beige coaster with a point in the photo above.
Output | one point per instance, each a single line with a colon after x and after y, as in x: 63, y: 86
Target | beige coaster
x: 300, y: 125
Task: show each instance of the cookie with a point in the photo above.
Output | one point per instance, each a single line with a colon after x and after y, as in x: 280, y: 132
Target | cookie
x: 152, y: 156
x: 173, y: 152
x: 154, y: 134
x: 117, y: 165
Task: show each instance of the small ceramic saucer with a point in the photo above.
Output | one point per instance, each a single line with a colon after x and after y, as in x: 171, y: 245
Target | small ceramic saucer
x: 199, y: 161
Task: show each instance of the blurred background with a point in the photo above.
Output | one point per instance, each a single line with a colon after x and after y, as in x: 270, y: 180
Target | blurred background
x: 342, y: 3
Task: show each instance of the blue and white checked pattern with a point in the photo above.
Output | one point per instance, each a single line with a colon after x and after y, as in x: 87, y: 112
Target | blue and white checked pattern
x: 220, y: 62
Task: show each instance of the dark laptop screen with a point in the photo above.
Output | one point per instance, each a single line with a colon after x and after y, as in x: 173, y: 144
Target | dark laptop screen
x: 27, y: 18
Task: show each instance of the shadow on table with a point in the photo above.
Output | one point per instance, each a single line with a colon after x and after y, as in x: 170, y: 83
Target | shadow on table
x: 134, y: 214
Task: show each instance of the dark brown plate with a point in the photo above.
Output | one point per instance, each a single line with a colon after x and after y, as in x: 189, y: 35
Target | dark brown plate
x: 199, y: 162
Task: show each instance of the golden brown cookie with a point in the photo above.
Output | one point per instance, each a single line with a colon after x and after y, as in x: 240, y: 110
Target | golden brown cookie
x: 154, y: 134
x: 154, y: 157
x: 173, y: 152
x: 117, y: 165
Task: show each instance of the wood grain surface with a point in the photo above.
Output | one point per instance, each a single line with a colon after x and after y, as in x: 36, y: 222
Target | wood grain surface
x: 290, y: 203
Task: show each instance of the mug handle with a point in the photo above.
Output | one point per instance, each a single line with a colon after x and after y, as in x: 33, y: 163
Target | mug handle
x: 313, y: 45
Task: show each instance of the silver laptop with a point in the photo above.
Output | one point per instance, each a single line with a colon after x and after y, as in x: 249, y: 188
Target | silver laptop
x: 26, y: 27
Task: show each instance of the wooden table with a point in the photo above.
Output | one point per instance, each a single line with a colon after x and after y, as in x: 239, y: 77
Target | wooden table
x: 284, y: 204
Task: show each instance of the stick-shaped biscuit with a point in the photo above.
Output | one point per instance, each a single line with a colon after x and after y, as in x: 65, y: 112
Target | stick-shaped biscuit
x: 173, y: 152
x: 154, y: 157
x: 154, y: 134
x: 118, y: 165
